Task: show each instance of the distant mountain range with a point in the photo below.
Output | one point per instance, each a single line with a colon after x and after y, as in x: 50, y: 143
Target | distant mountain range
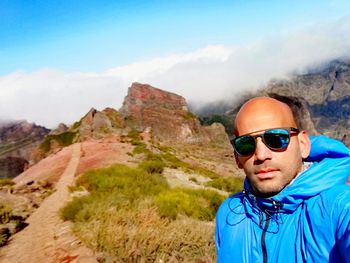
x: 321, y: 97
x: 18, y: 139
x: 322, y: 92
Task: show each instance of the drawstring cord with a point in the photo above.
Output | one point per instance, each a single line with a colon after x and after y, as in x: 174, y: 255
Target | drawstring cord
x: 272, y: 214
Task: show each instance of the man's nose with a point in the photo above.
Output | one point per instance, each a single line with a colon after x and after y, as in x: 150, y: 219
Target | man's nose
x: 262, y: 152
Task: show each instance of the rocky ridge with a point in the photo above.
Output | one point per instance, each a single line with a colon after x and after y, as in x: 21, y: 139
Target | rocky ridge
x: 18, y: 139
x: 326, y: 93
x: 163, y: 113
x: 320, y: 99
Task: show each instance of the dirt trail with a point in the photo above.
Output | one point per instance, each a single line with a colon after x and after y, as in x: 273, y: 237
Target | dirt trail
x: 47, y: 238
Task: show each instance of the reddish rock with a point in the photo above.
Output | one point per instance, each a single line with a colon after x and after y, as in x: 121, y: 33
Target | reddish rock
x: 48, y: 169
x: 102, y: 153
x: 165, y: 112
x: 99, y: 124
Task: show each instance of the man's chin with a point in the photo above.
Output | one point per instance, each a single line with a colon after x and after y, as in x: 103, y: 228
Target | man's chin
x: 266, y: 192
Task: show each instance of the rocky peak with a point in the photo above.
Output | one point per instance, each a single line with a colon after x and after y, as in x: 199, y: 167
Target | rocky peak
x: 165, y: 112
x: 144, y: 95
x: 97, y: 124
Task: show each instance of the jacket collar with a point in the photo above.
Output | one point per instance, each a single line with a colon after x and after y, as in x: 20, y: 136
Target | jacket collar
x: 331, y: 167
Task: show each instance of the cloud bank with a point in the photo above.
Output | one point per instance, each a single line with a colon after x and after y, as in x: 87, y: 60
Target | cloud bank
x: 51, y: 96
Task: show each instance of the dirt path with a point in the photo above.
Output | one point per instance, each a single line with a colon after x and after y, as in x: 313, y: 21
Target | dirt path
x: 47, y: 238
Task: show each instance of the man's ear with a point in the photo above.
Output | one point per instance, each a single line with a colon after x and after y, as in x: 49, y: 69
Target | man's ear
x: 304, y: 144
x: 240, y: 166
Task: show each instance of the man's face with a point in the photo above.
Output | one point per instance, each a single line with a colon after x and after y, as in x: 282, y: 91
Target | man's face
x: 269, y: 171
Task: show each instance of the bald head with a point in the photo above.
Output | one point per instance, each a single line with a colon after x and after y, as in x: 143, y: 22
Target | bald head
x: 263, y: 113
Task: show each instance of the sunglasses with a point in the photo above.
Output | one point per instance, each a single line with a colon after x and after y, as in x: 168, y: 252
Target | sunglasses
x: 276, y: 139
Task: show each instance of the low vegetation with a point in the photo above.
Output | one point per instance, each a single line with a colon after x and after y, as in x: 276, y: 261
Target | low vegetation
x: 6, y: 182
x: 5, y: 213
x: 225, y: 120
x: 132, y: 215
x: 10, y: 222
x: 231, y: 185
x: 62, y: 140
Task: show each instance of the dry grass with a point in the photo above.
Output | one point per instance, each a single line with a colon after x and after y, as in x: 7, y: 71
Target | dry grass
x: 132, y: 215
x: 143, y: 236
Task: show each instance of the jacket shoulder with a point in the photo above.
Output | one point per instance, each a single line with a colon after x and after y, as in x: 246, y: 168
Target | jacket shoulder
x: 229, y: 204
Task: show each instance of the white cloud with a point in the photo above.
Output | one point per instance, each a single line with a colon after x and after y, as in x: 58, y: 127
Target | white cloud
x: 51, y: 96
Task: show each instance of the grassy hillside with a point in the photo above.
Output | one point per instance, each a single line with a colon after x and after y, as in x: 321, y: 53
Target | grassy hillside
x: 133, y: 215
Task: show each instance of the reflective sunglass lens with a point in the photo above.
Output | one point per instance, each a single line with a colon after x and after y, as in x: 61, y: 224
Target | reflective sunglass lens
x: 245, y: 145
x: 277, y: 138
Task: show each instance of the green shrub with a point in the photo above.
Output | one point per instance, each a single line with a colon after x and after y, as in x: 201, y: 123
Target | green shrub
x: 63, y: 139
x: 152, y: 166
x: 128, y: 211
x: 5, y: 213
x: 231, y: 185
x: 134, y: 135
x: 70, y: 211
x: 127, y: 181
x: 173, y: 162
x: 198, y: 204
x: 153, y: 157
x: 193, y: 179
x: 76, y: 125
x: 140, y: 147
x: 6, y: 181
x: 165, y: 149
x: 203, y: 171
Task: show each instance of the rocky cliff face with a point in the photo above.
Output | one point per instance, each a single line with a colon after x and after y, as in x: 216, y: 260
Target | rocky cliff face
x: 164, y: 112
x: 320, y: 99
x: 326, y: 91
x: 98, y: 124
x: 318, y: 87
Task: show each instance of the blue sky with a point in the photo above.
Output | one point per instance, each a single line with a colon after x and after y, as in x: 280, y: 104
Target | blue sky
x: 95, y: 49
x: 86, y: 35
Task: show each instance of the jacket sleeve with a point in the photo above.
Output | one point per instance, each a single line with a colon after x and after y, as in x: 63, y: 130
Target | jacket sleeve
x: 217, y: 234
x: 343, y: 224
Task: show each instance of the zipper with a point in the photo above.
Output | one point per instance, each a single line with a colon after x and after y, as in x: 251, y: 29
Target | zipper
x: 263, y: 236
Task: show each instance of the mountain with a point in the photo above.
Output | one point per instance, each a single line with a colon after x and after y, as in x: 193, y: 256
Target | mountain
x: 326, y: 91
x: 320, y: 98
x: 150, y: 164
x: 17, y: 141
x: 165, y: 113
x: 94, y: 125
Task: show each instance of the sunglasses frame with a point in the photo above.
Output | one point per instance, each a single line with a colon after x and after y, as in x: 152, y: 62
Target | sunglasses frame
x: 261, y: 135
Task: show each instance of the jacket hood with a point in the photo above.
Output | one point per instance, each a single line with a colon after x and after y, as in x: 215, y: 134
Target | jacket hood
x: 330, y: 167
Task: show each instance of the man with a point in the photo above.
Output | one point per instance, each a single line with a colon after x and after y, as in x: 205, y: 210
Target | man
x: 295, y: 206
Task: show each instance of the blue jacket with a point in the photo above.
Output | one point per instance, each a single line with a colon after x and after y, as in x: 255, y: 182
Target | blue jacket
x: 308, y: 221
